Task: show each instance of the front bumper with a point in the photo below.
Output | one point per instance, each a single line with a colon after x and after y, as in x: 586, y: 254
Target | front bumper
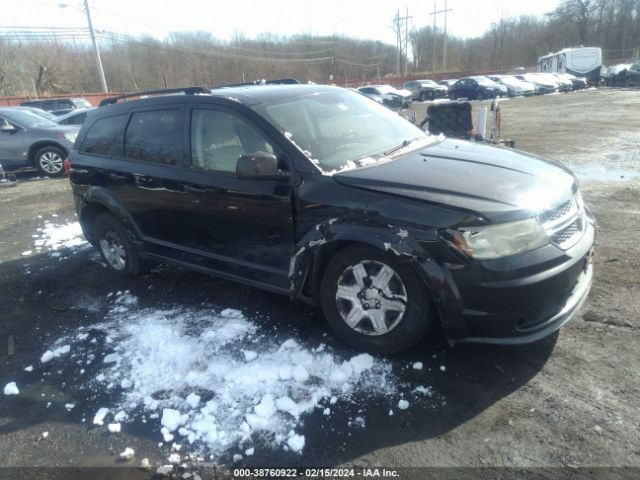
x: 540, y: 330
x: 513, y: 301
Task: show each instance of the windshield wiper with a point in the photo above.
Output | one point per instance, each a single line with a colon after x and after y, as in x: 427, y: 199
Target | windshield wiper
x: 398, y: 147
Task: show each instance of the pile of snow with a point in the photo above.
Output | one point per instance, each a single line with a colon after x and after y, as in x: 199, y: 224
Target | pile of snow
x: 215, y: 381
x: 11, y: 389
x: 51, y: 354
x: 56, y: 236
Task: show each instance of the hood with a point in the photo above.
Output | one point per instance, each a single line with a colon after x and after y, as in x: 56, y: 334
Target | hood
x: 402, y: 92
x: 496, y: 183
x: 59, y: 129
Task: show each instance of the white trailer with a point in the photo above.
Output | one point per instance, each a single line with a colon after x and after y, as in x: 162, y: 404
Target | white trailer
x: 578, y: 61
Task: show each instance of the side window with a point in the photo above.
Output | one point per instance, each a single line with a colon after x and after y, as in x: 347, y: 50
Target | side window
x: 105, y: 137
x: 155, y: 136
x: 62, y: 104
x: 77, y: 119
x: 218, y: 138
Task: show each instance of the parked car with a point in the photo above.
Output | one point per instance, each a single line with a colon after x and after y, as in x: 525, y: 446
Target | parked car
x: 27, y: 139
x: 514, y: 86
x: 448, y: 82
x: 58, y: 106
x: 476, y: 88
x: 39, y: 111
x: 387, y: 95
x: 613, y: 70
x: 426, y: 89
x: 625, y: 77
x: 543, y: 85
x: 578, y: 83
x: 76, y: 117
x: 317, y: 193
x: 565, y: 84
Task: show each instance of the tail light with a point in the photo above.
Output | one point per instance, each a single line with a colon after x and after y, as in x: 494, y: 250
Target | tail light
x: 67, y: 167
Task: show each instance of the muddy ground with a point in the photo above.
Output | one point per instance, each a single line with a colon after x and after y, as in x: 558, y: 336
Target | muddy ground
x: 570, y: 400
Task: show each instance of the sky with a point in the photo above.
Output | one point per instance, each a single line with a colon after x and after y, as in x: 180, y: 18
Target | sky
x: 369, y: 19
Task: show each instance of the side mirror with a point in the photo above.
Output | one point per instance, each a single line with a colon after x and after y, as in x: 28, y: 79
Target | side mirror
x: 259, y: 165
x: 8, y: 129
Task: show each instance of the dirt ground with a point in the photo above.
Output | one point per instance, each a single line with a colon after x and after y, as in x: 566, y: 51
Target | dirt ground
x: 570, y: 400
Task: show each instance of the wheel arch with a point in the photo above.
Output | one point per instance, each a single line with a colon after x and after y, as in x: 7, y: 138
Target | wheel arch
x: 97, y: 200
x: 315, y: 249
x: 39, y: 145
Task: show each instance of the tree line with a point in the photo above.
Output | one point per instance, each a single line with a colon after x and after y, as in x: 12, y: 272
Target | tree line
x: 56, y: 63
x: 613, y: 25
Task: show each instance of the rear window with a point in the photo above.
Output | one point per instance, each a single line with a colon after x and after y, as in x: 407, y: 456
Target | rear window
x: 105, y: 137
x: 155, y: 136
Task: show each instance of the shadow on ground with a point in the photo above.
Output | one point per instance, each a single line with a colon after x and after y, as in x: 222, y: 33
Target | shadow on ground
x: 59, y: 296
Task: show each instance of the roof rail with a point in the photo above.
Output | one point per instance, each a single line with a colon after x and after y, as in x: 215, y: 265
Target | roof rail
x: 281, y: 81
x: 164, y: 91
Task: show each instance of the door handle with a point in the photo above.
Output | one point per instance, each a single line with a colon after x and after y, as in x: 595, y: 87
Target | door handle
x: 190, y: 189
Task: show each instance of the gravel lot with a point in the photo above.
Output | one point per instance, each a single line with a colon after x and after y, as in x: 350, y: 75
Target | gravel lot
x: 570, y: 400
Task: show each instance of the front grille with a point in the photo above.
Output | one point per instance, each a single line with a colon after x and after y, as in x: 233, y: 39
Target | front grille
x: 564, y: 223
x: 564, y: 235
x: 558, y: 212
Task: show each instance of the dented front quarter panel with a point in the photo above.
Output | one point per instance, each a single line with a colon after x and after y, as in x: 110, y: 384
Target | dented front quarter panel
x: 329, y: 214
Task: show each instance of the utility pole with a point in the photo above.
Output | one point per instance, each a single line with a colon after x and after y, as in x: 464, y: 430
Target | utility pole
x: 433, y: 33
x: 406, y: 42
x: 444, y: 55
x: 398, y: 23
x: 444, y: 51
x: 103, y: 81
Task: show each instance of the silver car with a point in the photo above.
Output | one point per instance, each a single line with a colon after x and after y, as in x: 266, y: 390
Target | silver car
x: 27, y: 139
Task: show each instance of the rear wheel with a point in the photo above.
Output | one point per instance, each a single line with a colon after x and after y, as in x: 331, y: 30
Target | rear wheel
x: 115, y: 244
x: 373, y: 301
x: 49, y: 161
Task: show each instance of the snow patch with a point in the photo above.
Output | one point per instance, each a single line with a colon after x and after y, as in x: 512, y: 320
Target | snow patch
x: 11, y: 389
x: 191, y: 368
x: 51, y: 354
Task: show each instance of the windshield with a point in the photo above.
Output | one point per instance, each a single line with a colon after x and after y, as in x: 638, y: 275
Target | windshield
x: 484, y: 81
x: 510, y: 81
x: 82, y: 103
x: 340, y: 129
x: 28, y: 119
x: 386, y: 89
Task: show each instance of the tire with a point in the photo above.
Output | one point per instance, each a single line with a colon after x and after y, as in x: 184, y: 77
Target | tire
x: 50, y: 161
x: 115, y: 244
x: 421, y: 98
x: 479, y: 95
x: 401, y: 325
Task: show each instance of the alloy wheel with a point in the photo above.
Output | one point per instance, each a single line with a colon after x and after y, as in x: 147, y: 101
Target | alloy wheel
x: 50, y: 162
x: 113, y: 249
x: 371, y: 297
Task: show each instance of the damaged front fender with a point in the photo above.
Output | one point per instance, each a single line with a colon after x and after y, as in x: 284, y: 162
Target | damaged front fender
x: 316, y: 247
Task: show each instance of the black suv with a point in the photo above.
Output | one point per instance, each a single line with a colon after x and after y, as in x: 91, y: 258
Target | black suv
x: 322, y: 194
x: 58, y: 106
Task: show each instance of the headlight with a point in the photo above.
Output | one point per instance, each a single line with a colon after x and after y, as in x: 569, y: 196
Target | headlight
x: 71, y: 137
x: 495, y: 241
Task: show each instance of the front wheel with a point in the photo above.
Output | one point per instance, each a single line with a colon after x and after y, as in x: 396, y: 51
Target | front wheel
x: 374, y: 302
x: 49, y: 161
x: 115, y: 245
